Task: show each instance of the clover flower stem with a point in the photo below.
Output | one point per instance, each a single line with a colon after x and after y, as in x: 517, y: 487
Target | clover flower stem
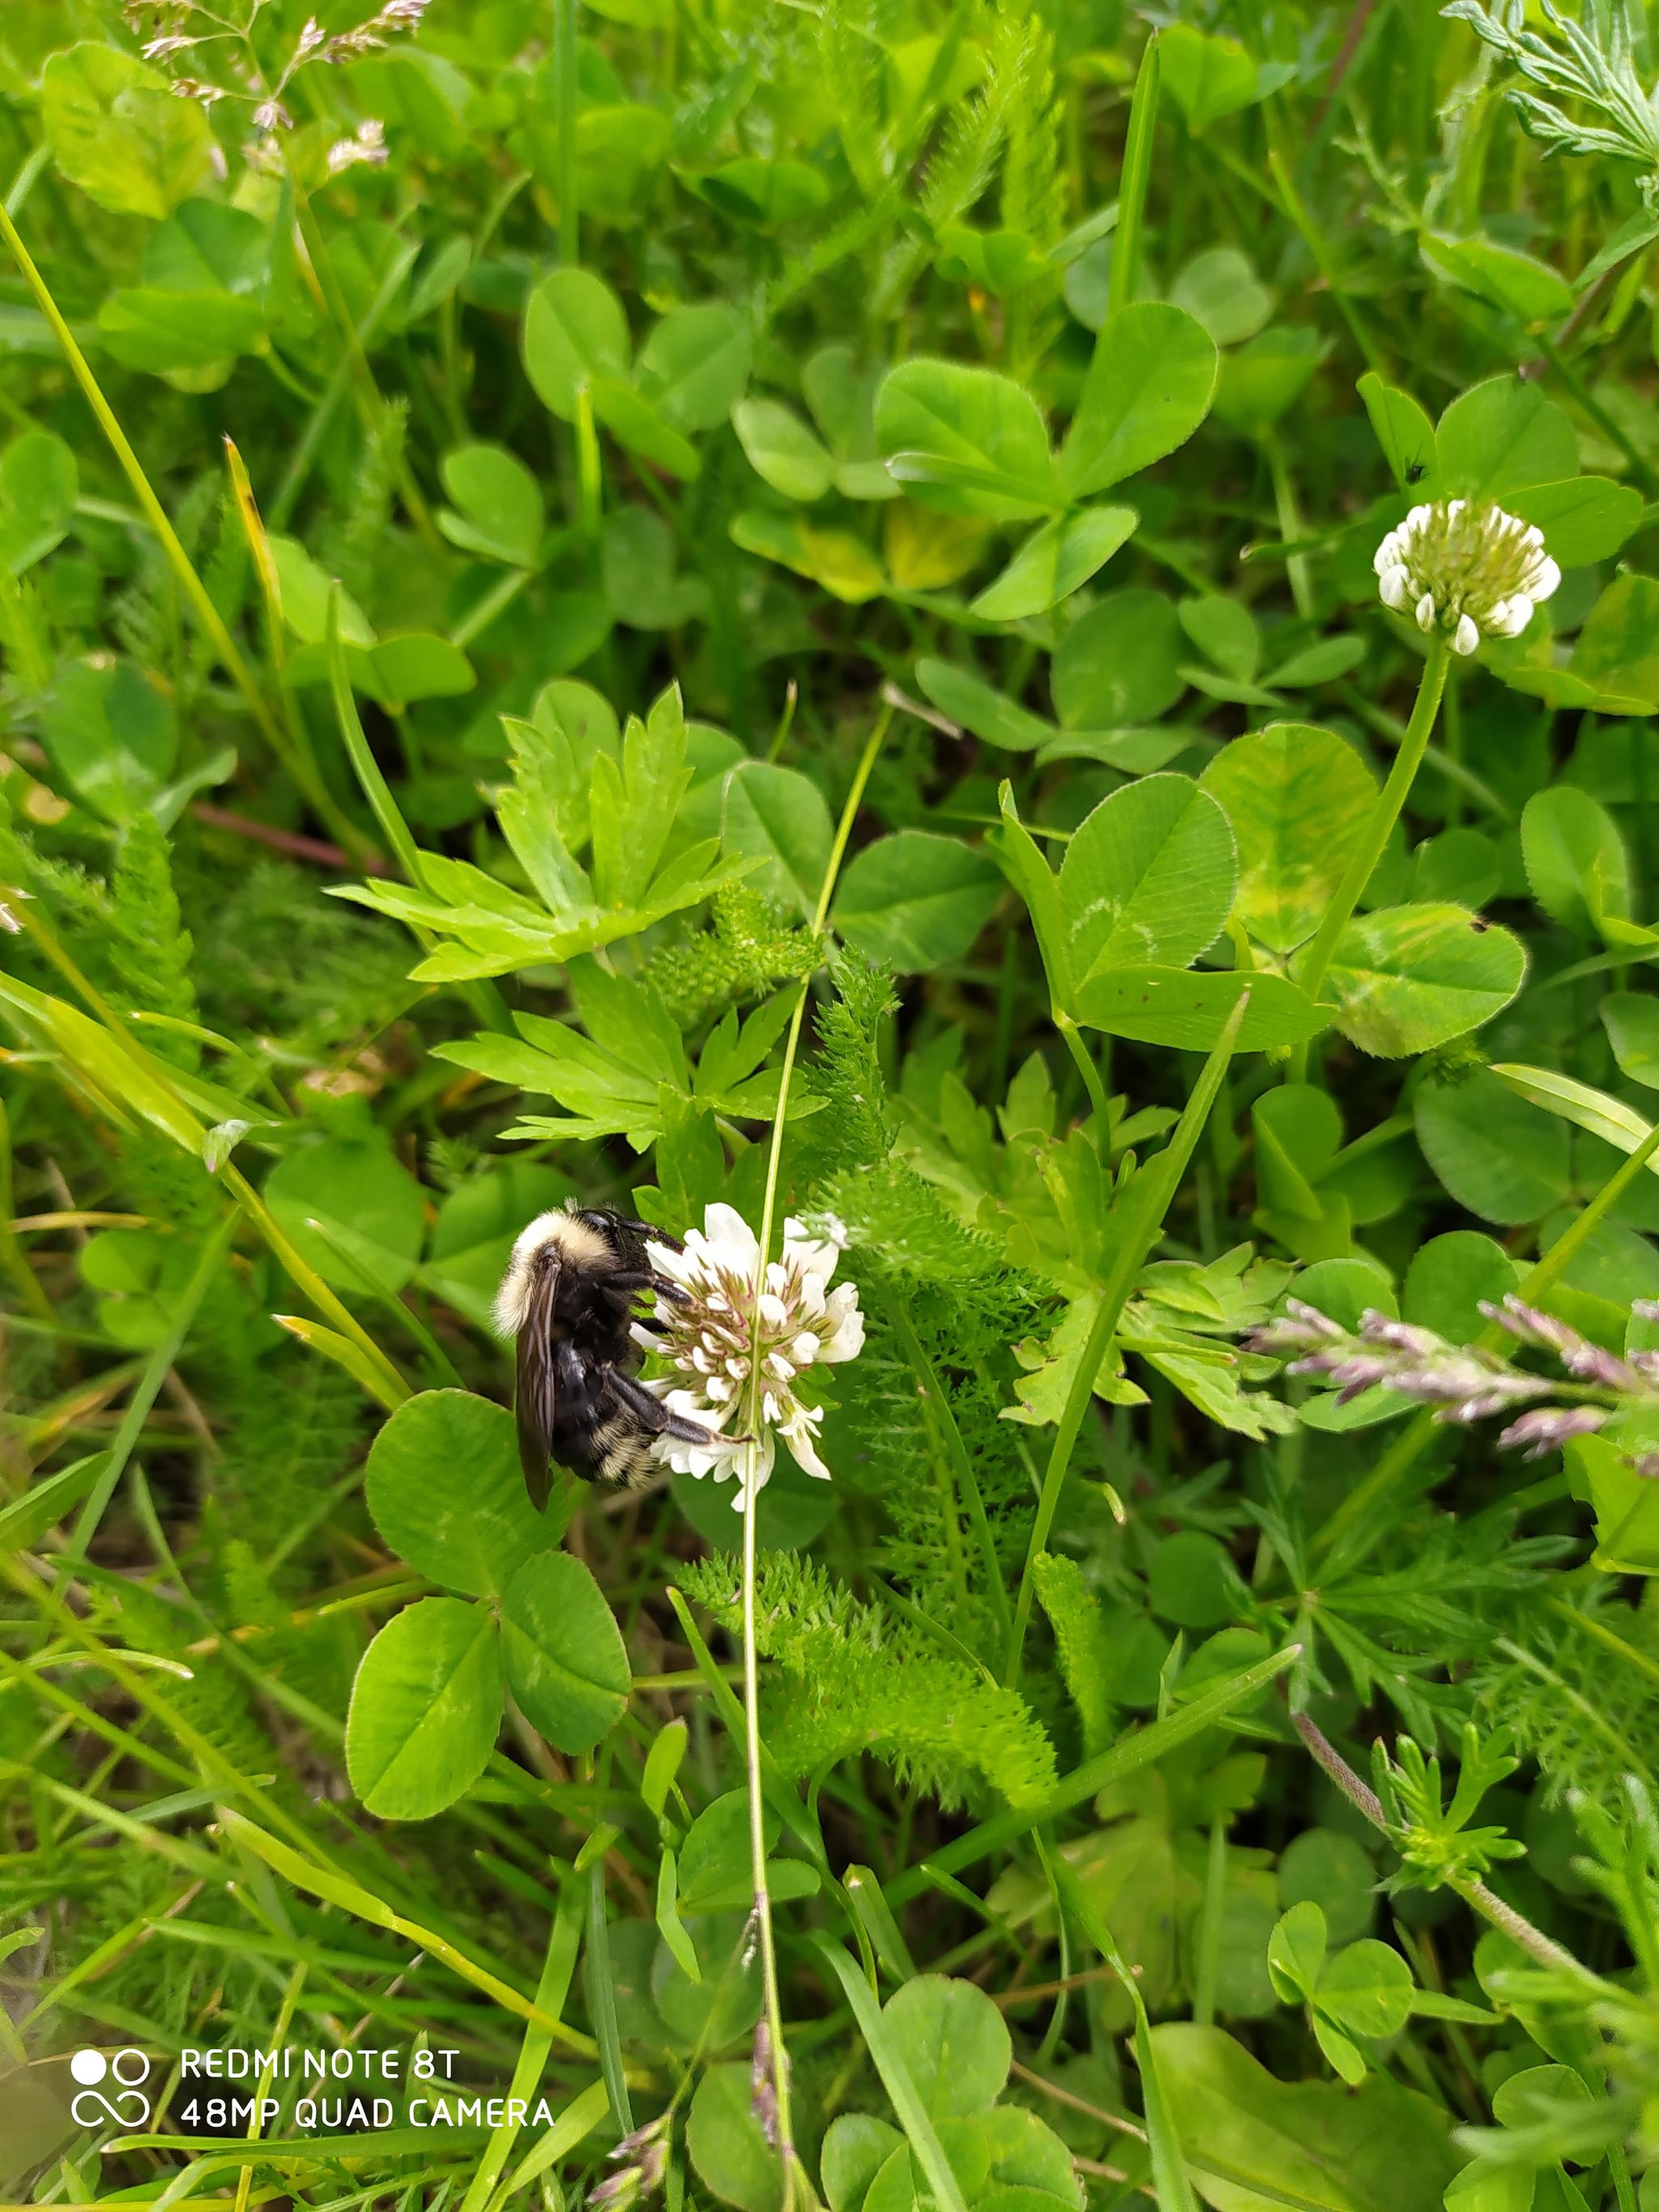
x: 793, y: 2180
x: 1473, y: 1892
x: 1385, y: 812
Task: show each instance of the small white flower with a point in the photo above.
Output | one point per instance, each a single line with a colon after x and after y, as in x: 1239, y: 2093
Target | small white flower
x: 1465, y: 570
x: 727, y: 1320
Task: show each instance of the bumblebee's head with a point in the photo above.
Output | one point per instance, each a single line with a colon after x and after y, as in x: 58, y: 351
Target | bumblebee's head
x: 555, y: 1239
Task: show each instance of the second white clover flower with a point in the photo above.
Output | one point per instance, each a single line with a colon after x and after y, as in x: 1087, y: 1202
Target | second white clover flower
x: 1465, y: 570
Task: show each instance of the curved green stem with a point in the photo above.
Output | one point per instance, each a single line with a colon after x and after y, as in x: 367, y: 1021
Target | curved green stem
x: 1389, y: 805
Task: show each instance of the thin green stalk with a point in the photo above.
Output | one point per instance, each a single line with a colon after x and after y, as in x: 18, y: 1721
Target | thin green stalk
x: 213, y: 622
x: 1408, y: 1447
x: 1289, y: 523
x: 793, y: 2179
x: 1149, y: 1200
x: 1133, y: 181
x: 1386, y: 810
x: 566, y: 99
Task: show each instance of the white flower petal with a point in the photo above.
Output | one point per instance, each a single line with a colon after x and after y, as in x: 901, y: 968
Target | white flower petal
x: 1425, y: 611
x: 1466, y: 636
x: 735, y: 1241
x: 1393, y: 588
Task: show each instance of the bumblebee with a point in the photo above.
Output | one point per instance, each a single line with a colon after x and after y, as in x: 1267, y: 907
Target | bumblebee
x: 568, y: 1298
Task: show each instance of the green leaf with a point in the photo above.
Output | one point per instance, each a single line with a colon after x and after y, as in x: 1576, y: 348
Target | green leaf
x: 306, y: 591
x: 1527, y: 289
x: 1366, y: 1989
x: 1189, y: 1008
x: 368, y: 1208
x: 1626, y: 1505
x: 969, y: 440
x: 781, y: 450
x: 915, y: 902
x: 1497, y: 1155
x: 1404, y: 433
x: 1574, y: 859
x: 952, y: 2042
x: 1631, y: 1022
x: 767, y: 192
x: 112, y: 734
x: 566, y: 1662
x: 1586, y: 1107
x: 726, y: 2144
x: 40, y: 483
x: 1219, y: 289
x: 1405, y: 979
x: 1256, y: 2143
x: 426, y: 1708
x: 173, y: 333
x: 1323, y: 1868
x: 115, y: 128
x: 856, y: 2146
x: 1054, y: 561
x: 1297, y: 798
x: 1119, y: 664
x: 989, y: 714
x: 501, y: 516
x: 574, y: 333
x: 632, y: 807
x: 1225, y: 630
x: 1206, y: 78
x: 1149, y: 386
x: 1587, y: 519
x: 779, y: 817
x: 843, y: 564
x: 696, y: 363
x: 1503, y: 437
x: 1618, y: 648
x: 1296, y: 1952
x: 445, y: 1489
x: 635, y: 422
x: 1449, y: 1279
x: 1148, y: 877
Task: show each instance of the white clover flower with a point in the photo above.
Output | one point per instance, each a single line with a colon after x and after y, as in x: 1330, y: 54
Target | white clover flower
x: 710, y: 1337
x: 1470, y: 570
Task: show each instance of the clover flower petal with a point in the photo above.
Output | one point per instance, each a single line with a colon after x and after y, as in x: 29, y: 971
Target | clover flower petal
x: 1466, y: 571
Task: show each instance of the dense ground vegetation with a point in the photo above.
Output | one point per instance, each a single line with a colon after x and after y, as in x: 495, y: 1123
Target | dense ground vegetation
x: 688, y: 605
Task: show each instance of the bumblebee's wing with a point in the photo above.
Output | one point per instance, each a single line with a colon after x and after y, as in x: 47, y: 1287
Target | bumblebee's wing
x: 535, y: 1394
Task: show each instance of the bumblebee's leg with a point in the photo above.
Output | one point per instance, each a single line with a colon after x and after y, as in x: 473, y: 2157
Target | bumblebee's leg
x: 650, y: 1229
x: 656, y: 1416
x: 653, y: 1413
x: 632, y: 1280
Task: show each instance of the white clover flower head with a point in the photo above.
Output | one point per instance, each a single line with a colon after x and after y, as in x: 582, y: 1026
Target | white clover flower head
x: 1468, y: 570
x: 738, y: 1342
